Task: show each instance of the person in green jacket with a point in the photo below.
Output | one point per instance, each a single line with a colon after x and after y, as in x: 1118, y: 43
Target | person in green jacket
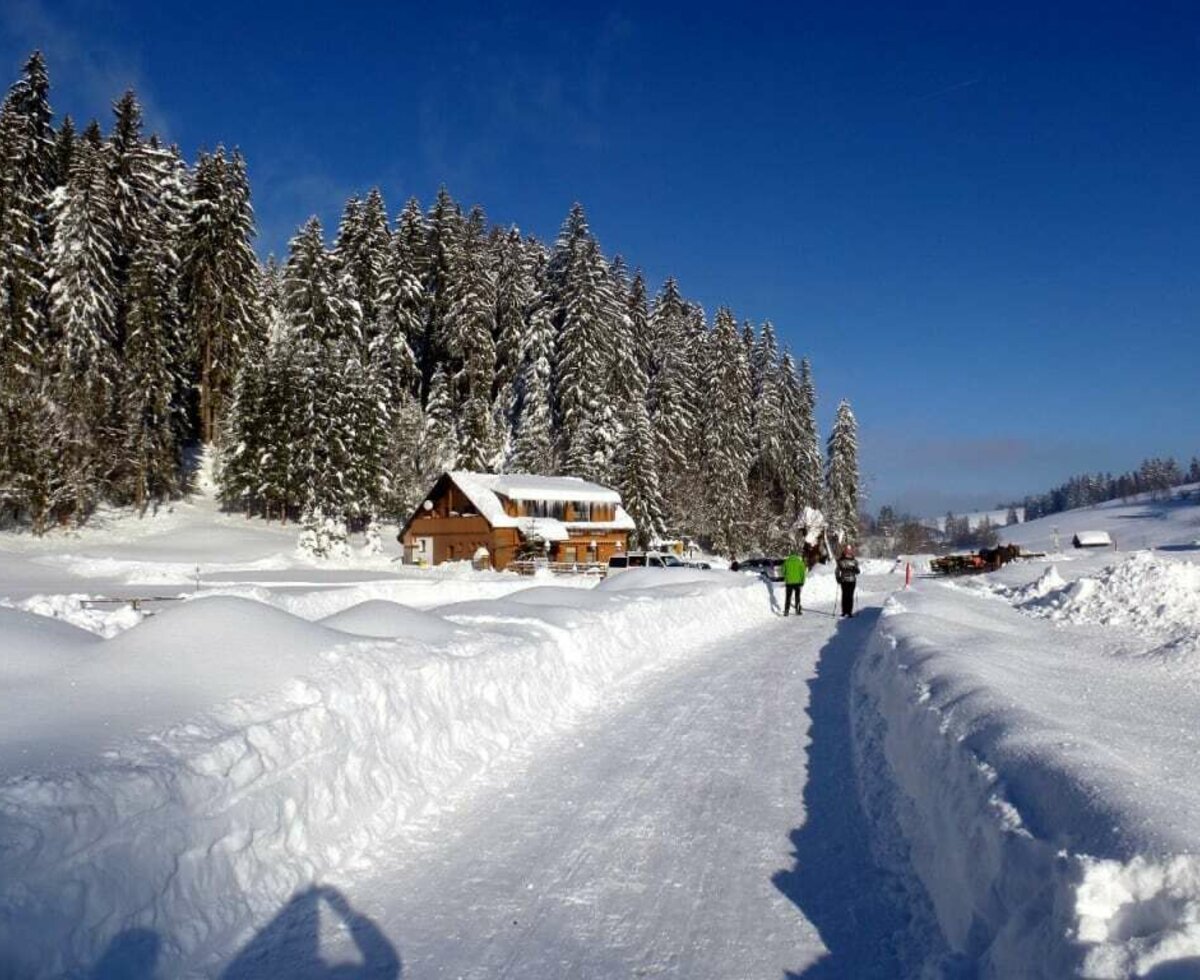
x: 794, y: 572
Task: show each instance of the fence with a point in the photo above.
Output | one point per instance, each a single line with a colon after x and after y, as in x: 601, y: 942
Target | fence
x: 527, y: 566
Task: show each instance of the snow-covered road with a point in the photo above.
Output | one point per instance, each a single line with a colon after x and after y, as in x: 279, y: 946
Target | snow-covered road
x: 686, y: 831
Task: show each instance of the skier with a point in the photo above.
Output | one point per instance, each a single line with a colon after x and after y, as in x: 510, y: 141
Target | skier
x: 793, y: 579
x: 846, y: 575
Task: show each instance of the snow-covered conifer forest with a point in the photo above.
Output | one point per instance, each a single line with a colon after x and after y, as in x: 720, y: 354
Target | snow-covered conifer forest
x: 136, y: 319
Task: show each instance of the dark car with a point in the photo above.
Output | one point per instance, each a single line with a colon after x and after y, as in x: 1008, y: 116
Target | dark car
x: 768, y: 568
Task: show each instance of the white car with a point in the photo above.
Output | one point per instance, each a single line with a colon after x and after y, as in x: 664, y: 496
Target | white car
x: 642, y: 559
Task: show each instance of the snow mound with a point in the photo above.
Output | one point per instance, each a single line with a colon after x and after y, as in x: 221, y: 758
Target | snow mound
x: 1048, y: 583
x: 382, y: 619
x: 82, y: 611
x: 33, y: 645
x: 260, y: 752
x: 1145, y: 592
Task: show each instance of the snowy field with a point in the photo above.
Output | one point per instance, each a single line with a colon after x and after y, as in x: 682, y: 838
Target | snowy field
x: 444, y: 773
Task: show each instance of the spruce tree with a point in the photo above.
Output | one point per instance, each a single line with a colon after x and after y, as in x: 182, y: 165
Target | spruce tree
x: 219, y: 281
x: 670, y: 403
x: 82, y: 313
x: 803, y: 423
x: 728, y: 452
x: 468, y: 329
x: 842, y: 493
x: 28, y: 458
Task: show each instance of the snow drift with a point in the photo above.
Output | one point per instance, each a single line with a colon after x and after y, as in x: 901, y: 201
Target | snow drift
x: 1044, y: 788
x: 1146, y: 592
x: 227, y: 753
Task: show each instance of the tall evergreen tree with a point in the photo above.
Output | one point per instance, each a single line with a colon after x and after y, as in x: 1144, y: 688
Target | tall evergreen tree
x: 219, y: 281
x: 728, y: 452
x: 803, y: 423
x: 82, y: 313
x: 842, y: 492
x: 27, y: 175
x: 672, y: 414
x: 469, y: 326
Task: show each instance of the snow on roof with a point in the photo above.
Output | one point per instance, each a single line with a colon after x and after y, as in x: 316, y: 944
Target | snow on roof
x: 482, y: 489
x: 1092, y: 539
x: 520, y: 486
x: 545, y: 528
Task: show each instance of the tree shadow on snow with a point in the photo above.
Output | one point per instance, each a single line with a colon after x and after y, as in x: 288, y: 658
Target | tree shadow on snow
x: 287, y: 946
x: 855, y: 906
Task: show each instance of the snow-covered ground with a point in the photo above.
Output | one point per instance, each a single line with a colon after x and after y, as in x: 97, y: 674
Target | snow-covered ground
x: 449, y: 773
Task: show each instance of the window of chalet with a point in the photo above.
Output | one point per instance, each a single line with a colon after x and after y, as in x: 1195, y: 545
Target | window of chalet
x: 546, y: 508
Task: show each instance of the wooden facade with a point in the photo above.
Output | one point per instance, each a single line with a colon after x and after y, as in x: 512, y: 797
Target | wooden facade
x: 447, y: 526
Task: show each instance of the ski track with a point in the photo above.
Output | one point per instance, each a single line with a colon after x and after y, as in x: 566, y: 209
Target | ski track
x: 661, y: 838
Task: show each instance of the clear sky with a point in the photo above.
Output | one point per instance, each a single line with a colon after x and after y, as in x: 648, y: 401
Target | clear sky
x: 981, y: 222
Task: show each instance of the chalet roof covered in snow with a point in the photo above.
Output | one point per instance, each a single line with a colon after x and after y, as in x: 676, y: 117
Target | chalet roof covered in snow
x: 485, y: 489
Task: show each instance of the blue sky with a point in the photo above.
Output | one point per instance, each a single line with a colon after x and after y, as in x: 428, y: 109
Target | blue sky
x: 981, y: 223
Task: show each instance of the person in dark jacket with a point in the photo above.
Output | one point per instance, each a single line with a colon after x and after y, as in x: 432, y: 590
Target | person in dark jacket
x: 846, y: 575
x: 794, y: 572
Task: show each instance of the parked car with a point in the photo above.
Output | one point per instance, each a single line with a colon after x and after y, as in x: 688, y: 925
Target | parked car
x: 642, y: 559
x: 767, y: 568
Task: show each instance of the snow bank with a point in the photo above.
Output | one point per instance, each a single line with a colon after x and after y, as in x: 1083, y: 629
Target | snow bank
x: 1045, y: 793
x: 32, y: 646
x: 228, y: 753
x: 382, y: 619
x: 1145, y: 592
x: 82, y: 610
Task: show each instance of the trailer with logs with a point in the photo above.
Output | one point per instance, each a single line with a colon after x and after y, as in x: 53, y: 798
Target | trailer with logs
x: 984, y: 560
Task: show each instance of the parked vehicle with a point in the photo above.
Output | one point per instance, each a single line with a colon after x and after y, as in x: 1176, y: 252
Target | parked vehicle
x: 768, y: 568
x: 642, y: 559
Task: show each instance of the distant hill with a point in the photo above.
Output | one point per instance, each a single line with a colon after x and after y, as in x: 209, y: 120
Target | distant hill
x: 1171, y: 522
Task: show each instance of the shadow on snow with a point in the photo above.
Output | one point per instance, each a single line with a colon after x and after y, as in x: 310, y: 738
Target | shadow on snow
x: 857, y: 907
x: 287, y: 946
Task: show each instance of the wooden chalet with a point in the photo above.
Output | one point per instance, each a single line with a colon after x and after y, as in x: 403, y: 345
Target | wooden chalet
x: 512, y: 515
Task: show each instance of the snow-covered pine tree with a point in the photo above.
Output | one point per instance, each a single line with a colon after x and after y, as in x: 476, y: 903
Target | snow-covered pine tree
x: 842, y: 492
x: 64, y: 148
x: 802, y: 423
x: 468, y: 329
x: 514, y: 296
x: 445, y: 226
x: 771, y: 474
x: 728, y: 453
x: 27, y: 171
x: 533, y: 441
x: 29, y: 479
x: 670, y: 402
x: 321, y: 328
x: 440, y: 439
x: 408, y: 303
x: 81, y: 316
x: 585, y: 313
x: 219, y: 280
x: 150, y: 404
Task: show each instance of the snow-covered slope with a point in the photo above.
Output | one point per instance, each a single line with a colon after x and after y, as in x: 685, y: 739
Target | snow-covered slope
x: 1172, y: 522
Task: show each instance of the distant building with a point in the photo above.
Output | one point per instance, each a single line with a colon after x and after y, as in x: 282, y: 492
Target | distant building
x: 511, y: 515
x: 1092, y: 539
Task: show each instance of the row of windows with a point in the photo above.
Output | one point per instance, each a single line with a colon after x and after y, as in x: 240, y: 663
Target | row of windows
x: 580, y: 510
